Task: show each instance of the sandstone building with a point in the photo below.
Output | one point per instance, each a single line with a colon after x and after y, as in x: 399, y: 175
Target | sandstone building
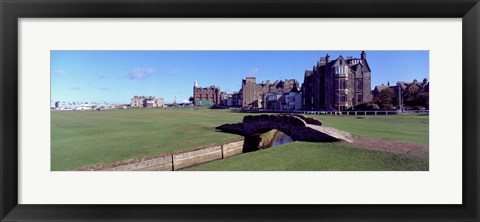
x: 263, y: 95
x: 337, y: 84
x: 146, y: 102
x: 206, y: 96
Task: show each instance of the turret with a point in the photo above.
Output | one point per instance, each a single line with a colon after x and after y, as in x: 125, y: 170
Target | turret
x: 425, y: 81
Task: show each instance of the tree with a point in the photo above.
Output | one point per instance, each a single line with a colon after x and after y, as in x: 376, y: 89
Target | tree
x: 386, y: 99
x: 191, y: 99
x: 411, y: 93
x: 422, y: 99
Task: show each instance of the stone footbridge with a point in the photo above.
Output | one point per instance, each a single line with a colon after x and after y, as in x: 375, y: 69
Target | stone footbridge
x: 298, y: 127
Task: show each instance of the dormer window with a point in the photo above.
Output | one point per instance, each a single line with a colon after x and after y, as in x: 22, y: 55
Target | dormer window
x: 355, y: 61
x: 341, y: 70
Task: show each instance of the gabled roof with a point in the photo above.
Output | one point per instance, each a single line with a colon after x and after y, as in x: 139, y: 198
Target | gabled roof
x: 336, y: 62
x: 294, y: 89
x: 380, y: 88
x: 355, y: 67
x: 402, y: 84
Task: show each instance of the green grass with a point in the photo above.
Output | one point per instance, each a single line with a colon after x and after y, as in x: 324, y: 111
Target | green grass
x: 308, y: 156
x: 411, y: 128
x: 92, y: 137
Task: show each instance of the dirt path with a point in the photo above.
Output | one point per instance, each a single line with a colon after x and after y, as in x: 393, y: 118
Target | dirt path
x: 392, y: 146
x: 335, y: 133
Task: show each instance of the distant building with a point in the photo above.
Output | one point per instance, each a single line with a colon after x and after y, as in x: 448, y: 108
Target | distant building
x: 337, y: 84
x: 294, y: 99
x: 206, y: 96
x: 85, y: 107
x: 275, y: 100
x: 236, y: 99
x: 146, y: 102
x: 261, y: 95
x: 407, y: 93
x: 226, y: 99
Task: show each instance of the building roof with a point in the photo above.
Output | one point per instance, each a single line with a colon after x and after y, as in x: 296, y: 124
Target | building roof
x: 295, y: 89
x: 380, y: 88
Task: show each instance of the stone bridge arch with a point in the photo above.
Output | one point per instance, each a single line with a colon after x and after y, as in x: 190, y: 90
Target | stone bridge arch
x: 298, y: 127
x: 252, y: 125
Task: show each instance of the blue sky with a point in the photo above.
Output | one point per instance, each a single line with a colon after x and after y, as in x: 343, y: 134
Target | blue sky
x: 117, y: 76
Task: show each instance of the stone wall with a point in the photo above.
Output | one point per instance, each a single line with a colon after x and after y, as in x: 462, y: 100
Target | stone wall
x: 196, y: 157
x: 298, y: 127
x: 232, y: 149
x: 159, y: 163
x: 185, y: 159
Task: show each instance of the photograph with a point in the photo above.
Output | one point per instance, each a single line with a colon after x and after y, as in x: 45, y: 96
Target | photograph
x: 278, y: 110
x: 239, y: 110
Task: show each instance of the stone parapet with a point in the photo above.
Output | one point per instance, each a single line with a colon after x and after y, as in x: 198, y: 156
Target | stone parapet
x: 185, y: 159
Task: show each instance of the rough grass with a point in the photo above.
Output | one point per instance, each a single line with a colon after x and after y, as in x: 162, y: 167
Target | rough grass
x: 93, y: 137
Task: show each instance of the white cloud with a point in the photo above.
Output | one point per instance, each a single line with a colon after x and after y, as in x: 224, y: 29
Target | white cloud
x: 253, y: 71
x: 141, y: 73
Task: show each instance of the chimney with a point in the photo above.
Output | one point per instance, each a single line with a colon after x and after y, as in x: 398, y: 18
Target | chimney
x: 327, y: 57
x: 364, y: 55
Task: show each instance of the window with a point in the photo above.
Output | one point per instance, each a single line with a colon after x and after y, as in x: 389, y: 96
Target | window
x: 359, y: 85
x: 359, y: 98
x: 342, y: 84
x: 341, y: 70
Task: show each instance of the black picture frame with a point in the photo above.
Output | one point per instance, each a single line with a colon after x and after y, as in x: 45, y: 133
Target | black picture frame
x: 11, y: 11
